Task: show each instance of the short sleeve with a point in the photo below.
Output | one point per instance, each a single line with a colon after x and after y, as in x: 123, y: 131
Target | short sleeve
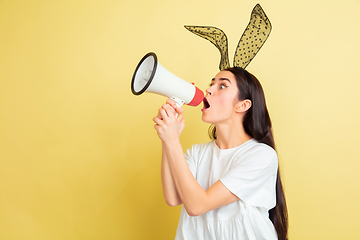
x: 252, y: 177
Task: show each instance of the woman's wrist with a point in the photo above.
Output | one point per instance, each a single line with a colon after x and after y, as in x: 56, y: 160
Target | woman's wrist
x: 171, y: 143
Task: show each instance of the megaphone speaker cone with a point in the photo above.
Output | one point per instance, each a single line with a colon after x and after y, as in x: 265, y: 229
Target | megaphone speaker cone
x: 150, y: 76
x: 144, y: 73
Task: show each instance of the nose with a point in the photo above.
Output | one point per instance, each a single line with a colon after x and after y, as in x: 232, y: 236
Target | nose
x: 209, y: 91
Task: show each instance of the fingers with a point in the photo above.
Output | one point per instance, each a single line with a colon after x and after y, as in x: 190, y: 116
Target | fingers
x: 179, y: 110
x: 171, y: 103
x: 158, y: 121
x: 161, y: 113
x: 169, y: 121
x: 174, y: 105
x: 169, y: 110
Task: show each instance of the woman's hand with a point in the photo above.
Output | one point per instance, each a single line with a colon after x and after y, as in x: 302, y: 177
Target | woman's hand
x: 169, y: 121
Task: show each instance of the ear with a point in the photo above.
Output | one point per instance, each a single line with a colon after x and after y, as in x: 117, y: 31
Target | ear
x: 243, y: 106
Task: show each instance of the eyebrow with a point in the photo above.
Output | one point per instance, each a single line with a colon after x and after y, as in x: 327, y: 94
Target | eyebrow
x: 221, y: 79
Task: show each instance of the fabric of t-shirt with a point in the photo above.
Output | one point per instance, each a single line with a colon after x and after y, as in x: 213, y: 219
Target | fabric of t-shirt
x: 249, y: 171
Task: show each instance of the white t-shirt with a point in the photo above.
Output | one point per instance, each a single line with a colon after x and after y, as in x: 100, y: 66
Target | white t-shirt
x: 249, y: 171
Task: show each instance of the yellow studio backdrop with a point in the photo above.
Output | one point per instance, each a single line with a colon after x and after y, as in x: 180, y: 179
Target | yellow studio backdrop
x: 79, y: 158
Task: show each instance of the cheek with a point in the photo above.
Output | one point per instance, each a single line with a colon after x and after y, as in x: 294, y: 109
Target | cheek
x: 226, y: 102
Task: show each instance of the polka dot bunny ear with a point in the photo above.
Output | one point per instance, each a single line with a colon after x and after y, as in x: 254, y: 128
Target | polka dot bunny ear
x: 254, y: 36
x: 217, y: 37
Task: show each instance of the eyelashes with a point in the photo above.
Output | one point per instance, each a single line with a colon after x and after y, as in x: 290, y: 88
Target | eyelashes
x: 222, y: 85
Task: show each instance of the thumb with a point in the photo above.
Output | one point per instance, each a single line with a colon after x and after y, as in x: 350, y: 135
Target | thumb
x: 180, y: 113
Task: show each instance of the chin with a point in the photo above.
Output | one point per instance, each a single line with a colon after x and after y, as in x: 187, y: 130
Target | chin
x: 206, y: 119
x: 203, y: 118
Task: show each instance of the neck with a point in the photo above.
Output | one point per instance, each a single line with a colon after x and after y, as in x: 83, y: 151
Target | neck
x: 230, y: 135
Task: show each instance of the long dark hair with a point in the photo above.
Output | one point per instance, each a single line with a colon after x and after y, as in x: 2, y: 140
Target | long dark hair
x: 257, y: 124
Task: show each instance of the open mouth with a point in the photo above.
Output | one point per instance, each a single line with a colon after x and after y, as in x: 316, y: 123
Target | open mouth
x: 206, y: 104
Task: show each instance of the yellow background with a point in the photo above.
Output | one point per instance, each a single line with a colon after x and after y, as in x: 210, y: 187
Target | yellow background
x: 79, y: 158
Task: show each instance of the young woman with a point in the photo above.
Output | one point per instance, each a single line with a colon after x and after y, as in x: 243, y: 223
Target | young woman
x: 230, y: 188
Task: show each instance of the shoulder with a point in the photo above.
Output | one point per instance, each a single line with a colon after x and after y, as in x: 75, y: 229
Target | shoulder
x: 260, y: 148
x: 259, y: 153
x: 197, y: 152
x: 200, y: 148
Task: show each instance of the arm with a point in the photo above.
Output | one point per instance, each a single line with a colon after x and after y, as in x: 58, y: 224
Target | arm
x: 169, y: 190
x: 195, y: 199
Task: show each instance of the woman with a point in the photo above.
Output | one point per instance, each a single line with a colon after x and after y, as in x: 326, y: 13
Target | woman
x: 230, y: 188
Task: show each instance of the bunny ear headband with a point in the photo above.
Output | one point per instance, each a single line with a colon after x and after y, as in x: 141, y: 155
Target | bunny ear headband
x: 254, y: 36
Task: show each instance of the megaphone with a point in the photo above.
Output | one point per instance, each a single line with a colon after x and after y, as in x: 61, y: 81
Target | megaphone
x: 150, y: 76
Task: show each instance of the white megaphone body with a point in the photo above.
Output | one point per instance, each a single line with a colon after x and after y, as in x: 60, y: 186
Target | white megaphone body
x: 150, y: 76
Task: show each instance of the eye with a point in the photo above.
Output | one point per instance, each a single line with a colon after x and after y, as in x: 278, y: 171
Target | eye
x: 222, y: 86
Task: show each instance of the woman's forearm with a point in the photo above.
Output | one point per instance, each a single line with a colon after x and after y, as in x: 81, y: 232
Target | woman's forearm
x: 192, y: 195
x: 169, y: 189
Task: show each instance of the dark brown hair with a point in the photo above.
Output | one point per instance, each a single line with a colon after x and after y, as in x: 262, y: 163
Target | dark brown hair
x: 257, y: 124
